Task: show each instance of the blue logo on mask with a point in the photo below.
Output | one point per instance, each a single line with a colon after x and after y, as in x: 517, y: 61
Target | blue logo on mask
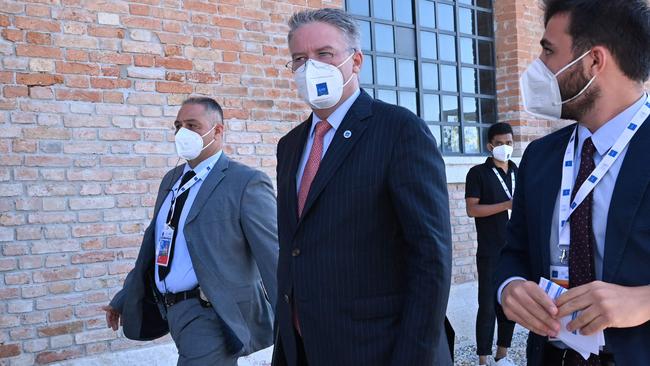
x: 632, y: 126
x: 321, y: 89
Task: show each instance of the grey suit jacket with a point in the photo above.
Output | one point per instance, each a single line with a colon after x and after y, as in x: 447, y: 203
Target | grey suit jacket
x: 231, y: 233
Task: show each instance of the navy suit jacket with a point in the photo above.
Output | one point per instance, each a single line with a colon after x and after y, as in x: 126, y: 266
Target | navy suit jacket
x: 627, y: 242
x: 369, y: 262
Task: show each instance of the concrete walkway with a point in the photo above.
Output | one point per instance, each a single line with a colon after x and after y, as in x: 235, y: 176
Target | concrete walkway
x: 461, y: 312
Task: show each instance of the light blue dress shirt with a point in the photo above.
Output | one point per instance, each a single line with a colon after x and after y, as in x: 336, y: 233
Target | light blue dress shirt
x: 181, y: 277
x: 603, y: 139
x: 334, y: 120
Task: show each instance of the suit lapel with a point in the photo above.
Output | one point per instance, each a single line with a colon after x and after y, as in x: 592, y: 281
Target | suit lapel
x: 211, y: 181
x: 631, y: 184
x: 165, y: 186
x: 353, y: 125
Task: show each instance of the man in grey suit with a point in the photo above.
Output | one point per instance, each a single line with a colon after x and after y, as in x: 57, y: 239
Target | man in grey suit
x: 207, y: 263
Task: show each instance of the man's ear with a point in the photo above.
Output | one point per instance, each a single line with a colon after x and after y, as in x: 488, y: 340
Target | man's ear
x: 218, y: 129
x: 489, y: 147
x: 357, y: 60
x: 600, y: 57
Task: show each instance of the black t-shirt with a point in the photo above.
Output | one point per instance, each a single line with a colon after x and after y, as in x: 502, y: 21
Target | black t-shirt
x: 483, y: 184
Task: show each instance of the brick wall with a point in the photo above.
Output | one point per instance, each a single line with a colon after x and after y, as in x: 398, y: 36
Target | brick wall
x: 518, y: 29
x: 89, y: 93
x: 89, y: 90
x: 463, y: 237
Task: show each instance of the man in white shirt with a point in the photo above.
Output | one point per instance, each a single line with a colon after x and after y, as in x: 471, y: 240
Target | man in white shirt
x: 206, y: 268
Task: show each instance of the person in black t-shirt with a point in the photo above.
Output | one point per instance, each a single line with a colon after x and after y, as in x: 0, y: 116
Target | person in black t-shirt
x: 488, y: 195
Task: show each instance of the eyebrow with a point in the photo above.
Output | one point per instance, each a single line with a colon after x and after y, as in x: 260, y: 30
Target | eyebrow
x: 546, y: 43
x: 325, y: 48
x: 187, y: 120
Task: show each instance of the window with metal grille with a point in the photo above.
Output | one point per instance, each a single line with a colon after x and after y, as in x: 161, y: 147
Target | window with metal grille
x: 436, y: 58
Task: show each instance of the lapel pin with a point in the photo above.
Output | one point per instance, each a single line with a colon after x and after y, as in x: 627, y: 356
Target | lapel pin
x: 347, y: 134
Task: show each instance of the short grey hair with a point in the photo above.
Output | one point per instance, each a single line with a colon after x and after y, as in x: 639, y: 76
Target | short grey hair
x: 335, y: 17
x: 210, y: 105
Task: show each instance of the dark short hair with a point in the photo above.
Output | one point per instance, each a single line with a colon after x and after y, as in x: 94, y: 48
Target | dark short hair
x: 500, y: 128
x: 210, y: 105
x: 621, y: 26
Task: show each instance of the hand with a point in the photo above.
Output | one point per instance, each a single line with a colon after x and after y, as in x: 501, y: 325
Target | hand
x: 508, y: 205
x: 527, y: 304
x: 112, y: 317
x: 605, y: 305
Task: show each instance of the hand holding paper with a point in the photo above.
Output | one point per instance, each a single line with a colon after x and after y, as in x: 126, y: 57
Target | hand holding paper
x: 581, y: 343
x: 605, y: 305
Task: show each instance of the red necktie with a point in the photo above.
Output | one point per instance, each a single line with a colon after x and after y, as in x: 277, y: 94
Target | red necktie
x: 581, y: 253
x: 313, y: 162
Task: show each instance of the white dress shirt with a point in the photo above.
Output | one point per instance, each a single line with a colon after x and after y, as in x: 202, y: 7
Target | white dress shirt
x: 603, y: 139
x: 181, y: 276
x: 334, y: 120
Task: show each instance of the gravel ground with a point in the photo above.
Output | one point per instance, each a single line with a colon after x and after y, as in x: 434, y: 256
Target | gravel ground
x: 465, y: 350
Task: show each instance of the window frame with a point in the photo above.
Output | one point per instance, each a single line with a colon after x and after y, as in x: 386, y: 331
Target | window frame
x: 479, y: 97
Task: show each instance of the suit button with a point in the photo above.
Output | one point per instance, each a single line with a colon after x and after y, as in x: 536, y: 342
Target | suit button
x: 295, y: 252
x: 286, y: 298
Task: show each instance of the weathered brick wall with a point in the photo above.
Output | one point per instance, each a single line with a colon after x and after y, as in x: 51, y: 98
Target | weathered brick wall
x: 518, y: 29
x: 89, y: 93
x: 463, y: 236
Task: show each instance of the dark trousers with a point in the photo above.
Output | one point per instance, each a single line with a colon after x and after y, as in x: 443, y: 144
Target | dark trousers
x: 488, y: 311
x: 554, y: 356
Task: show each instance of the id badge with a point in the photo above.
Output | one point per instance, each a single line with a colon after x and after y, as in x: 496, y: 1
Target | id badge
x: 560, y: 275
x: 164, y: 246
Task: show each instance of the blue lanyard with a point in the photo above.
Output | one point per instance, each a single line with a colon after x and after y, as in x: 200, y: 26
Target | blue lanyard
x: 567, y: 207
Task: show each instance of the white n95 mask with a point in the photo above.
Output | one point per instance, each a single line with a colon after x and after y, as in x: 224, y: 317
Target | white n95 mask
x: 540, y: 90
x: 189, y: 144
x: 320, y: 84
x: 502, y: 153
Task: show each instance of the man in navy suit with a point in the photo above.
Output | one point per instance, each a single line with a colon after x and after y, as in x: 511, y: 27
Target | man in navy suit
x: 365, y: 240
x: 581, y: 212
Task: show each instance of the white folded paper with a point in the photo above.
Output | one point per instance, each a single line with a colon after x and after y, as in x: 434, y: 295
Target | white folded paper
x: 582, y: 344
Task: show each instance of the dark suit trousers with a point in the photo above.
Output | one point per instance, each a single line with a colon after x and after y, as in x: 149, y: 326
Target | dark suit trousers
x: 199, y: 335
x: 488, y: 311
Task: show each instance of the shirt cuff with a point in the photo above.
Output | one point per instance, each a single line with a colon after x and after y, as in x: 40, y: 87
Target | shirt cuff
x: 504, y: 284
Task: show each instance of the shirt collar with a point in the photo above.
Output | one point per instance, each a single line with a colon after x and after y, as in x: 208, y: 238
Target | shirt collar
x: 490, y: 164
x: 605, y: 137
x: 337, y: 116
x: 204, y: 163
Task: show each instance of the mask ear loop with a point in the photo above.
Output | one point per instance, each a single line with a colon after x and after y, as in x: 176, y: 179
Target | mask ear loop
x: 206, y: 146
x: 343, y: 63
x: 580, y: 93
x: 572, y: 63
x: 583, y: 89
